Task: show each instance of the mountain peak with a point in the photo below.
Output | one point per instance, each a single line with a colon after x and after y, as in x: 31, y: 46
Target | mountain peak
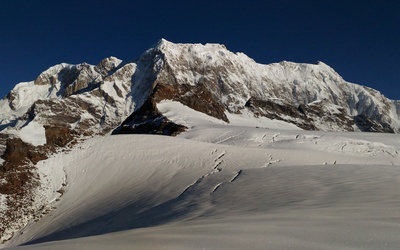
x: 45, y: 78
x: 233, y: 81
x: 211, y: 79
x: 165, y: 45
x: 108, y: 64
x: 67, y: 103
x: 162, y: 42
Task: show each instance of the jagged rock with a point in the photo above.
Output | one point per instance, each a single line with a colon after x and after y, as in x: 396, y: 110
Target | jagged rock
x: 148, y: 120
x: 232, y: 79
x: 19, y: 153
x: 207, y: 78
x: 199, y: 98
x: 368, y: 125
x: 108, y: 65
x: 74, y: 102
x: 58, y: 136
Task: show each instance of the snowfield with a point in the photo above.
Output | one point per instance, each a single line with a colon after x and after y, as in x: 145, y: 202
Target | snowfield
x: 251, y: 184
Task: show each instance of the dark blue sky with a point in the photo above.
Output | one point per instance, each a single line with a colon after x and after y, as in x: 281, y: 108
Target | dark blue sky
x: 360, y: 39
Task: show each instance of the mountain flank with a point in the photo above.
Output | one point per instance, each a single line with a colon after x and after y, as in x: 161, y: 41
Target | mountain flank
x: 67, y: 104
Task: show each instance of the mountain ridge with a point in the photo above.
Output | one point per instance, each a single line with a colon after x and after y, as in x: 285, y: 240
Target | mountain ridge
x: 233, y: 79
x: 69, y: 103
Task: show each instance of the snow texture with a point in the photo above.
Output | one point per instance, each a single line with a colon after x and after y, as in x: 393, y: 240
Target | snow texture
x: 251, y: 183
x: 236, y: 78
x: 222, y: 186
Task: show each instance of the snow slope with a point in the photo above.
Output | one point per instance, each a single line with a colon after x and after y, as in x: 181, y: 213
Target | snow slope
x: 237, y: 81
x: 243, y: 185
x: 312, y: 96
x: 243, y: 159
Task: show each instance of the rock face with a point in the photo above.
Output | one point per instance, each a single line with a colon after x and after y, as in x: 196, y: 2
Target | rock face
x: 208, y: 78
x: 70, y: 103
x: 148, y: 120
x: 73, y: 102
x: 310, y: 96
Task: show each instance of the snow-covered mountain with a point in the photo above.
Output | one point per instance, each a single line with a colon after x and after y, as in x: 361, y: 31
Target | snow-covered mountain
x: 220, y: 186
x: 310, y: 96
x: 171, y: 88
x: 207, y: 78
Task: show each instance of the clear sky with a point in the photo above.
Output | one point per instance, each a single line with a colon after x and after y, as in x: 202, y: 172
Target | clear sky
x: 360, y: 39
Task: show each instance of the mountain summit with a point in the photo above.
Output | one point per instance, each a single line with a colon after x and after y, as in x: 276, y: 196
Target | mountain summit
x: 207, y: 78
x: 215, y: 81
x: 68, y: 103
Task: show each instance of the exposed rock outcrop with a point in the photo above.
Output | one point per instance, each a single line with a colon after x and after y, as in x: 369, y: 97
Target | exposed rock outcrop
x: 229, y: 80
x: 148, y: 120
x: 74, y: 102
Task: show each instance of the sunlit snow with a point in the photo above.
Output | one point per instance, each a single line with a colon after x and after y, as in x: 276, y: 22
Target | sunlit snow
x: 251, y: 184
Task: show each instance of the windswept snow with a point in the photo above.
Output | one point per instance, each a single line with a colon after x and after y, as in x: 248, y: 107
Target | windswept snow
x: 183, y: 115
x: 222, y: 186
x: 250, y: 183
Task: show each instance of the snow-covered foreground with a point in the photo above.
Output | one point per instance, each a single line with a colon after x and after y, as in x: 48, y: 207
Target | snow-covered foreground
x: 245, y: 185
